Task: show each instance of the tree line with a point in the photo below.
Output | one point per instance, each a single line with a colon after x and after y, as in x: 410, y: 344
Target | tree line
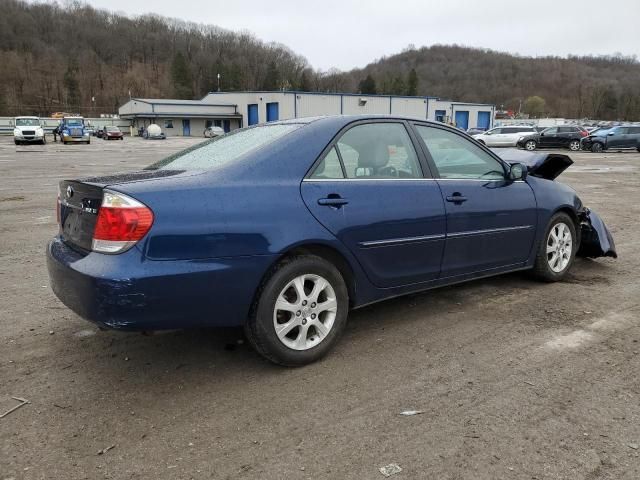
x: 72, y: 57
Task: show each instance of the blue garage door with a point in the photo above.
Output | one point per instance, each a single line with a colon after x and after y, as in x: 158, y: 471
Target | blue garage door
x: 440, y: 114
x: 462, y: 119
x: 186, y: 128
x: 252, y: 114
x: 484, y: 120
x: 227, y: 126
x: 272, y: 112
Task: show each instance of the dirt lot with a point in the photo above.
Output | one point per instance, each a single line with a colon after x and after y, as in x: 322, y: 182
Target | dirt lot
x: 516, y: 379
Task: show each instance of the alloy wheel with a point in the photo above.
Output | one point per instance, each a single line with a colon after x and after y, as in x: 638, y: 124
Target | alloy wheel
x: 574, y: 146
x: 559, y: 247
x: 305, y: 311
x: 530, y: 145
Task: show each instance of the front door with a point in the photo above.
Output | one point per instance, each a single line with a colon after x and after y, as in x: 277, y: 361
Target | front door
x: 620, y: 138
x: 186, y: 127
x: 371, y: 193
x: 549, y: 138
x: 491, y: 222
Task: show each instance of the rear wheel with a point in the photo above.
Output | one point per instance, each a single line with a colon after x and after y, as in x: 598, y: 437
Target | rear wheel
x: 597, y: 147
x: 300, y: 312
x: 530, y: 145
x: 557, y: 250
x: 574, y: 145
x: 16, y: 142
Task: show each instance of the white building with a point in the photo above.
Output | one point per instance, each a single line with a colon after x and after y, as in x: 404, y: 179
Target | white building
x: 232, y: 110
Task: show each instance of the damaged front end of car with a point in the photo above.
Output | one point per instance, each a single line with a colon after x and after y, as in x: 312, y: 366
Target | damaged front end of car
x: 595, y: 238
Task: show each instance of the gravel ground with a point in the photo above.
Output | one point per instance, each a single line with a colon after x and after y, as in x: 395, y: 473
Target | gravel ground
x: 515, y: 379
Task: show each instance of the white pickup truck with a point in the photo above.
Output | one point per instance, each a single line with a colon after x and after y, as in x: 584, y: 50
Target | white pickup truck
x: 28, y: 130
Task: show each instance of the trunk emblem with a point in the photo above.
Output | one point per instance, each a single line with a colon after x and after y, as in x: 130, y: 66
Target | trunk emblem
x: 69, y: 192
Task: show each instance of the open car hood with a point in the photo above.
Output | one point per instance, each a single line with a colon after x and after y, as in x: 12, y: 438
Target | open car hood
x: 539, y: 164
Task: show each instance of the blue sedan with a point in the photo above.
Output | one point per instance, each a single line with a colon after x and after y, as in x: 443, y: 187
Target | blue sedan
x: 284, y: 227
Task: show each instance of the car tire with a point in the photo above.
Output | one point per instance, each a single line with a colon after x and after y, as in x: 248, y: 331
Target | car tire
x: 301, y: 340
x: 574, y: 145
x: 16, y: 142
x: 530, y: 145
x: 557, y: 250
x: 597, y: 147
x: 44, y: 140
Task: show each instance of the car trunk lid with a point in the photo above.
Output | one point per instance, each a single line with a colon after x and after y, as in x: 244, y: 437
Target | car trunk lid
x: 80, y: 201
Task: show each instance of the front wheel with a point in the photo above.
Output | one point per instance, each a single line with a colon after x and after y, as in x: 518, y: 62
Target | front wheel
x: 530, y: 145
x: 597, y: 147
x: 300, y: 312
x: 574, y: 145
x: 557, y: 250
x: 16, y: 142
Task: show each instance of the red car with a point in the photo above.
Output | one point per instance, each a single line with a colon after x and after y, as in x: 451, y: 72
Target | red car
x: 112, y: 133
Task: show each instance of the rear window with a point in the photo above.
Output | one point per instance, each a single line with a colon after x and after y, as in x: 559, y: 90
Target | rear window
x: 224, y: 149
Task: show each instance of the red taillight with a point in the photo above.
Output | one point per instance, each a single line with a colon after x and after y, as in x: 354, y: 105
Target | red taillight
x: 584, y: 133
x: 122, y: 221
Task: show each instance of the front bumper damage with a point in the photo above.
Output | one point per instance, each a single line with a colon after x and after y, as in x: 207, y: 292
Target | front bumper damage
x: 595, y: 238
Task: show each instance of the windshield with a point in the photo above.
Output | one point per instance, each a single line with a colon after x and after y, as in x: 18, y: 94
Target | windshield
x: 113, y: 129
x: 27, y: 122
x: 73, y: 122
x: 224, y: 149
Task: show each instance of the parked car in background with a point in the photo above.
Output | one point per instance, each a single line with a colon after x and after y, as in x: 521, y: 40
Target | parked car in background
x: 112, y: 133
x: 563, y: 136
x: 91, y: 130
x: 475, y: 131
x: 621, y: 137
x: 504, y: 136
x: 28, y: 130
x: 286, y: 226
x: 211, y: 132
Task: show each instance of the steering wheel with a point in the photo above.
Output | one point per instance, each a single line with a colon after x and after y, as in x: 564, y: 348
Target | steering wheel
x: 388, y: 171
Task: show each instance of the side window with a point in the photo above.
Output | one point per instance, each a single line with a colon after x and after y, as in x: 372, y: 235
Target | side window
x: 329, y: 167
x: 634, y: 130
x: 566, y: 130
x: 457, y: 157
x: 551, y: 131
x: 622, y: 131
x: 496, y: 131
x: 379, y: 150
x: 168, y: 123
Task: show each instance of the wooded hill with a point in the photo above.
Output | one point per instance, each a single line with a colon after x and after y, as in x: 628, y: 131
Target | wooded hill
x: 72, y: 57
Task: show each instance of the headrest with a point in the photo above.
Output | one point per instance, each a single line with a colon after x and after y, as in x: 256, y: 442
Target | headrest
x: 374, y: 156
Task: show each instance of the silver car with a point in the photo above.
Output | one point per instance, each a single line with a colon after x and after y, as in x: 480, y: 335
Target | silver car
x: 504, y: 136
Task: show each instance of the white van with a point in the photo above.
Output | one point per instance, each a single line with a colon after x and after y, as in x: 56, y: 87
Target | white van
x: 28, y: 130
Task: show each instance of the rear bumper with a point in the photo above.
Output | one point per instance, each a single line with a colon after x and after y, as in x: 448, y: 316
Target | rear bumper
x: 129, y: 292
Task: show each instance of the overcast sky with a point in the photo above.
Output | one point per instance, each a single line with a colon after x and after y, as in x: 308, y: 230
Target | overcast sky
x: 347, y: 34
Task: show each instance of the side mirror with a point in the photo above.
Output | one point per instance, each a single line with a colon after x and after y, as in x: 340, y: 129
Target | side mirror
x: 487, y: 133
x: 517, y: 172
x: 611, y: 134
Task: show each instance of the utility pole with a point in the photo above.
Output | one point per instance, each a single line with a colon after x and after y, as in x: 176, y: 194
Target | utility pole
x: 218, y: 82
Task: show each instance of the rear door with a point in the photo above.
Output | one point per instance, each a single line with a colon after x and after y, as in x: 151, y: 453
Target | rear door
x: 549, y: 138
x: 634, y: 133
x: 491, y: 221
x: 371, y: 191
